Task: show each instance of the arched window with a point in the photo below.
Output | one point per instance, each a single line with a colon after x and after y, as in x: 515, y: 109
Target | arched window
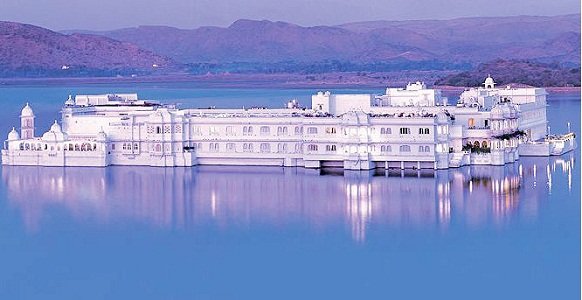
x: 158, y: 148
x: 265, y: 130
x: 265, y: 147
x: 298, y: 148
x: 484, y: 144
x: 476, y: 144
x: 404, y: 148
x: 330, y: 148
x: 471, y: 122
x: 298, y: 130
x: 77, y: 148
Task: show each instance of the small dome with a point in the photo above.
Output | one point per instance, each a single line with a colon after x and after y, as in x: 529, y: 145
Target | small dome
x: 489, y: 83
x: 13, y: 135
x: 27, y: 111
x: 55, y: 134
x: 496, y: 112
x: 514, y: 111
x: 56, y: 127
x: 70, y: 101
x: 442, y: 118
x: 101, y: 136
x: 506, y: 111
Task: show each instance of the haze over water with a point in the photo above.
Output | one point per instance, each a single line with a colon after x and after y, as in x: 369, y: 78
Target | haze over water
x: 480, y: 232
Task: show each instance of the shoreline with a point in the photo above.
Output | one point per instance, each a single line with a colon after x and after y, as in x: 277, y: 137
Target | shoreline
x: 291, y: 81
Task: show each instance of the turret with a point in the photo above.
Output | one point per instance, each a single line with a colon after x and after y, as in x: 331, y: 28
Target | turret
x: 489, y: 83
x: 27, y: 123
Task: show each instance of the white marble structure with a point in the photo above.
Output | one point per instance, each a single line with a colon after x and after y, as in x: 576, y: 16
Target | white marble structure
x: 405, y: 128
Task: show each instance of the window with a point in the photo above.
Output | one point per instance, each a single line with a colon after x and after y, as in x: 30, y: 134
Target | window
x: 404, y: 148
x: 229, y: 130
x: 486, y: 123
x: 298, y: 130
x: 423, y: 148
x: 212, y: 130
x: 214, y: 147
x: 230, y: 147
x: 196, y: 130
x: 265, y: 130
x: 167, y: 129
x: 298, y: 148
x: 423, y: 131
x: 281, y: 130
x: 312, y: 147
x: 404, y: 130
x: 265, y: 147
x: 312, y: 130
x: 158, y: 129
x: 385, y: 148
x: 471, y: 122
x: 386, y: 131
x: 330, y: 130
x: 247, y: 147
x: 330, y: 148
x: 248, y: 130
x: 178, y: 128
x: 282, y: 148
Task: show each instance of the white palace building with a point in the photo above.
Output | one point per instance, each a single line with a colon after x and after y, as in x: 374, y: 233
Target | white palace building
x: 413, y: 127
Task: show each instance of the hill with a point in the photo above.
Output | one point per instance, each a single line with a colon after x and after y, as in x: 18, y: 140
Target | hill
x: 452, y: 42
x: 520, y: 71
x: 27, y: 50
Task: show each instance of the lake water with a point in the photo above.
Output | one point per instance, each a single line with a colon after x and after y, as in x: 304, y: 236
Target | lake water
x: 509, y: 232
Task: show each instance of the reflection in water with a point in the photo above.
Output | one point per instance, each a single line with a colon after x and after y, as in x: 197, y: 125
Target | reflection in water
x: 230, y: 197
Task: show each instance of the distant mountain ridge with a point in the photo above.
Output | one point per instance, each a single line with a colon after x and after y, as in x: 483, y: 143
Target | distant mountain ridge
x: 249, y: 46
x: 472, y: 40
x: 27, y: 50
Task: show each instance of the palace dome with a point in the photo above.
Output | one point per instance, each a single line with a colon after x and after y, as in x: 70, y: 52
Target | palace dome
x: 55, y: 134
x: 101, y: 136
x: 13, y: 135
x: 27, y: 111
x: 496, y: 112
x: 441, y: 118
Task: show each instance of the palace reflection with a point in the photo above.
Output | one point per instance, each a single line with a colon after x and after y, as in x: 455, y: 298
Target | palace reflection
x: 239, y: 197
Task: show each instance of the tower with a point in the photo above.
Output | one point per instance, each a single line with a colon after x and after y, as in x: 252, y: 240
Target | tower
x: 27, y: 123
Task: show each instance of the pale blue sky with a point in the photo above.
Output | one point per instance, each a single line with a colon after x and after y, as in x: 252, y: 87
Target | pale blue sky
x: 111, y: 14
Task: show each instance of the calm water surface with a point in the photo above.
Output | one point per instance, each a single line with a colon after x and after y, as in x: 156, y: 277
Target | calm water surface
x: 509, y: 232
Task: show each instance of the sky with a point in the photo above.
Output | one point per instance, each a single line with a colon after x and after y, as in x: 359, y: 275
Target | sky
x: 113, y: 14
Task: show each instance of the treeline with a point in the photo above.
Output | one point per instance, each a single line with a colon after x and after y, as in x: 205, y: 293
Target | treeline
x: 330, y: 66
x: 517, y: 71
